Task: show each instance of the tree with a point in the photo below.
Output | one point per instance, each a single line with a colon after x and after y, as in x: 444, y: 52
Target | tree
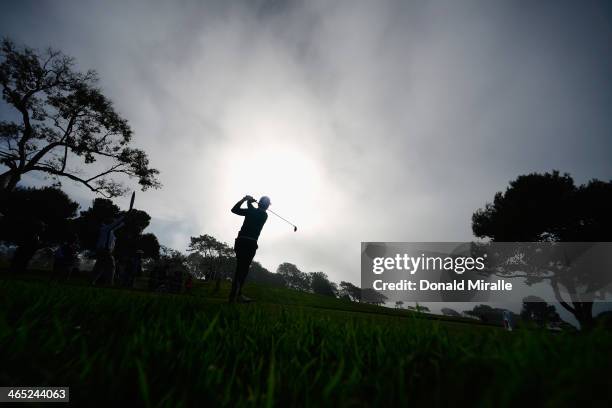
x: 483, y: 312
x: 488, y: 314
x: 259, y: 274
x: 450, y: 312
x: 33, y: 219
x: 168, y: 272
x: 294, y: 278
x: 347, y: 289
x: 550, y: 207
x: 89, y: 222
x: 536, y: 310
x: 148, y: 244
x: 130, y: 237
x: 321, y: 285
x: 64, y: 122
x: 214, y: 255
x: 604, y: 319
x: 369, y: 295
x: 399, y: 304
x: 421, y: 309
x: 194, y: 262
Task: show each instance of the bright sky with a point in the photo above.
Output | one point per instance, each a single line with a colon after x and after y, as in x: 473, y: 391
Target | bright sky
x: 374, y: 121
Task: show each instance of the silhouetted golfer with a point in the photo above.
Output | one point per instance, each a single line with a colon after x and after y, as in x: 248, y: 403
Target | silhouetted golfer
x: 245, y: 245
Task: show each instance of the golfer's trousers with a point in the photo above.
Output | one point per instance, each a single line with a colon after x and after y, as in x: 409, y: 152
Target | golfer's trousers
x: 245, y: 249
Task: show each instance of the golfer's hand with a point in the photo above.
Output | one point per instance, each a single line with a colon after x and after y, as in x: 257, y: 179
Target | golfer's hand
x: 249, y: 198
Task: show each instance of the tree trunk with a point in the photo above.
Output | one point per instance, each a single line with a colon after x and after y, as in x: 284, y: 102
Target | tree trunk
x: 584, y: 315
x: 582, y: 311
x: 8, y: 181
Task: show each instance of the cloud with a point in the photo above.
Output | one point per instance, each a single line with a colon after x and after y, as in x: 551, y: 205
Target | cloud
x: 389, y: 121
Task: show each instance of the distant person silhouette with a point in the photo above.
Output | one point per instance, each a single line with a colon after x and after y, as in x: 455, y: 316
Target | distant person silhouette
x: 29, y: 241
x: 66, y: 258
x: 132, y: 268
x: 245, y: 245
x: 104, y: 268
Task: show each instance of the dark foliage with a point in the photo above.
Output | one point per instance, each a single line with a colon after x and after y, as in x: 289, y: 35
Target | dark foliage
x: 66, y: 123
x: 550, y: 207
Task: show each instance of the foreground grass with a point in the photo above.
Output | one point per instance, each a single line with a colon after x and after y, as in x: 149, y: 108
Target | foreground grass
x: 112, y: 346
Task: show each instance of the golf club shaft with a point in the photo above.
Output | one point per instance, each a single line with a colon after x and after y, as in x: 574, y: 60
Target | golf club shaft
x: 287, y: 221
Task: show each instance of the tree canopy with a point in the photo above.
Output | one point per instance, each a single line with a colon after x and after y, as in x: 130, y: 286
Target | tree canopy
x: 321, y: 285
x: 347, y: 289
x: 63, y: 122
x: 45, y: 212
x: 294, y: 278
x: 446, y: 311
x: 130, y: 237
x: 535, y: 310
x: 369, y: 295
x: 210, y: 257
x: 550, y: 207
x: 547, y: 207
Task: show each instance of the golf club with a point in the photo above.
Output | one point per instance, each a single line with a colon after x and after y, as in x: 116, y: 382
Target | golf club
x: 290, y: 223
x: 132, y: 201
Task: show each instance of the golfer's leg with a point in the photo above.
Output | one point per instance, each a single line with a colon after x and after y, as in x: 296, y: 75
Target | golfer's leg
x: 247, y: 264
x: 244, y: 270
x: 237, y: 273
x: 232, y: 294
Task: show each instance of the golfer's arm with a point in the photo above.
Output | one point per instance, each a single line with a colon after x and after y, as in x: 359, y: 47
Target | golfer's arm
x: 237, y: 210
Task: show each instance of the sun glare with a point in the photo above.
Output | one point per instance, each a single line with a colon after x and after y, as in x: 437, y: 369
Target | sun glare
x: 290, y: 178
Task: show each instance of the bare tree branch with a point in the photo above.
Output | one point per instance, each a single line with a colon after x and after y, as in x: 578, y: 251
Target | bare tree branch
x: 51, y: 170
x: 109, y: 171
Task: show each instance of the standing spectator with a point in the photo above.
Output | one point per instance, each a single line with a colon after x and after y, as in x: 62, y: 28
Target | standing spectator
x: 104, y: 269
x: 66, y: 258
x: 133, y: 268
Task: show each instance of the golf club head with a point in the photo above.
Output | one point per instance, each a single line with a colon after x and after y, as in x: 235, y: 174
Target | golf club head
x: 294, y: 228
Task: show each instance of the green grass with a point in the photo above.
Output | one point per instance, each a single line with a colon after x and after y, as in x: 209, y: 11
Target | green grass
x: 112, y: 346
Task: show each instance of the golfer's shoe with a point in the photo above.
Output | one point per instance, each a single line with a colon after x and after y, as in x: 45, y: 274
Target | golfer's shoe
x: 244, y: 299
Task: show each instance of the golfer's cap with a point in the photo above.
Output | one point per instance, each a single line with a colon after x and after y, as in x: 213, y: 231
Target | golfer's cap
x: 265, y: 200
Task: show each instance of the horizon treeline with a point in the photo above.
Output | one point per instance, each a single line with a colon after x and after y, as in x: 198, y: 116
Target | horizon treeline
x: 35, y: 221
